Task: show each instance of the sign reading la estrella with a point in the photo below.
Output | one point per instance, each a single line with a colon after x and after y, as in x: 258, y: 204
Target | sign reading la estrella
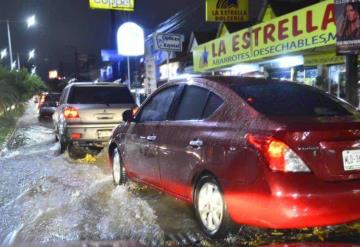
x: 227, y: 10
x: 310, y: 27
x: 125, y: 5
x: 168, y: 41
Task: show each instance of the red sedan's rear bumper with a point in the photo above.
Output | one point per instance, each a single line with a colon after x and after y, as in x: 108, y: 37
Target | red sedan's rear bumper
x: 293, y: 201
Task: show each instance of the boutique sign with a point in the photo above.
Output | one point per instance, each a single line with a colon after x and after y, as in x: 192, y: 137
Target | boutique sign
x: 307, y: 28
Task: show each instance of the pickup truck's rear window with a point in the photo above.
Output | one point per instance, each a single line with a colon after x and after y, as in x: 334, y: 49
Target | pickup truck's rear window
x: 100, y: 95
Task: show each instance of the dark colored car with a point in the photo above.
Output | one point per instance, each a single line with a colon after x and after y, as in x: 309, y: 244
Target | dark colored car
x: 48, y: 103
x: 258, y: 152
x: 87, y: 113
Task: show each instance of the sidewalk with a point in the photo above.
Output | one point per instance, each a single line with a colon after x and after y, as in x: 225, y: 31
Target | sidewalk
x: 8, y: 124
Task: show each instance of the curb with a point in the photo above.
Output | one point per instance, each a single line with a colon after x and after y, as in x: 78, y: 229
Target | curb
x: 9, y: 137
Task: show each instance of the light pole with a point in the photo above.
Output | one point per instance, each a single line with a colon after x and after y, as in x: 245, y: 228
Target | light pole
x: 31, y: 21
x: 9, y: 41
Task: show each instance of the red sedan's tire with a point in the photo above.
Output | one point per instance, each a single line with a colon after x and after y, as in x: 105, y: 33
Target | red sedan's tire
x: 118, y: 168
x: 210, y: 208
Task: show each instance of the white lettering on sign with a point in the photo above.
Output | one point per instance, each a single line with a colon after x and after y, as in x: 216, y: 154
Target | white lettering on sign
x: 168, y: 42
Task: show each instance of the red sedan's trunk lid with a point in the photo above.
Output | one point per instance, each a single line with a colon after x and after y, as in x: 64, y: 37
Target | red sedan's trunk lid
x: 329, y: 146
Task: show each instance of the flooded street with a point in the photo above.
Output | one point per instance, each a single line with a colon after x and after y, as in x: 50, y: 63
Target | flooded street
x: 46, y: 197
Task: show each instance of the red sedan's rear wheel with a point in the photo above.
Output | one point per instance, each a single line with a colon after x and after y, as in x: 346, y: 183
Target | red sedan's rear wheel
x: 118, y: 168
x: 210, y: 208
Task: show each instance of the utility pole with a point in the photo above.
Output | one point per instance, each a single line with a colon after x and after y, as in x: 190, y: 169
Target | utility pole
x: 351, y: 78
x: 9, y: 40
x: 18, y: 61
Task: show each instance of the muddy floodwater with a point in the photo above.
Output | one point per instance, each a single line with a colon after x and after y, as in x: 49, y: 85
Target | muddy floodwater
x: 46, y: 197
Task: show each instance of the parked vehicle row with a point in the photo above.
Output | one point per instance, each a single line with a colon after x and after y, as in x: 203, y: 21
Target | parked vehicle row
x: 47, y: 104
x: 247, y: 151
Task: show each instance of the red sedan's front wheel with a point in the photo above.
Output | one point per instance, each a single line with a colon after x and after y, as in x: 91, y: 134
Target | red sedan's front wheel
x: 118, y: 168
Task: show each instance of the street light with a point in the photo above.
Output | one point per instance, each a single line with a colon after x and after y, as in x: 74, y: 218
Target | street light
x: 31, y: 21
x: 33, y: 70
x: 31, y: 54
x: 13, y: 65
x: 3, y: 54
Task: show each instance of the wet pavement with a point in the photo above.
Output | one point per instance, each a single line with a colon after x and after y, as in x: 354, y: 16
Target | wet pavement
x: 46, y: 197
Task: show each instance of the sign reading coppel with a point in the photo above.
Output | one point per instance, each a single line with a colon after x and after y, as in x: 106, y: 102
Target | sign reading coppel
x: 347, y: 26
x: 227, y: 10
x: 168, y: 41
x: 124, y: 5
x: 311, y: 27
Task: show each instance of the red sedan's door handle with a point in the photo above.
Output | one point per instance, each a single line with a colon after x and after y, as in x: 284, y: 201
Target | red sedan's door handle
x: 196, y: 143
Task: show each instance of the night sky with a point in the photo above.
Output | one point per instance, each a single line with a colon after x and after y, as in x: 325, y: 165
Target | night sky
x: 66, y: 26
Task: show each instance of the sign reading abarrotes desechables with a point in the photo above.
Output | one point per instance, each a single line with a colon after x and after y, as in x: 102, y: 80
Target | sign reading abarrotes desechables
x: 124, y: 5
x: 311, y: 27
x: 168, y: 41
x: 227, y: 10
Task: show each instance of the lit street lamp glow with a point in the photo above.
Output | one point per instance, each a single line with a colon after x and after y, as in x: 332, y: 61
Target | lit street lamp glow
x: 31, y: 54
x: 13, y: 65
x: 31, y: 21
x: 33, y: 70
x: 130, y: 40
x: 3, y: 54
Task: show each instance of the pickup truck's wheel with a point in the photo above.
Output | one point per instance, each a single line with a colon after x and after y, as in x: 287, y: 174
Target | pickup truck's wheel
x: 75, y: 153
x: 118, y: 168
x: 210, y: 208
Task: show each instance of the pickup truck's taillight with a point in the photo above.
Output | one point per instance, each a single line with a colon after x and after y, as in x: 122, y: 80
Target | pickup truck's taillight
x: 279, y: 156
x: 71, y: 113
x: 41, y: 101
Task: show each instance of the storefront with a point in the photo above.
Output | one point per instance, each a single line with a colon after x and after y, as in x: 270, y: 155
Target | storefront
x: 298, y: 46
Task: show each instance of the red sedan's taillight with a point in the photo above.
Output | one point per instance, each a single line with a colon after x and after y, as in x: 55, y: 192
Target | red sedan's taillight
x: 280, y: 157
x: 71, y: 113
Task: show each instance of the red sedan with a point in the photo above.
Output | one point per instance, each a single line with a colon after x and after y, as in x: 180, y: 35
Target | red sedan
x: 251, y: 151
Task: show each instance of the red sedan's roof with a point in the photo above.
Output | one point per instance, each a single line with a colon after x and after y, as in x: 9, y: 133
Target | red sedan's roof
x: 229, y: 80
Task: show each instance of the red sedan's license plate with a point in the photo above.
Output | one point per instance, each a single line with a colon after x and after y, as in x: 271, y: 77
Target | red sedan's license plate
x: 104, y: 133
x: 351, y: 160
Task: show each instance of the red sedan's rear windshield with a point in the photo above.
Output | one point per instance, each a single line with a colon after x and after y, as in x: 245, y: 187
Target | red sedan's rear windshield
x: 289, y: 99
x: 100, y: 95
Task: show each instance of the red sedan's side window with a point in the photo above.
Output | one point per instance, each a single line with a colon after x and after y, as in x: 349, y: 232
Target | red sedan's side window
x: 157, y: 108
x: 213, y: 103
x: 192, y: 103
x: 197, y: 103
